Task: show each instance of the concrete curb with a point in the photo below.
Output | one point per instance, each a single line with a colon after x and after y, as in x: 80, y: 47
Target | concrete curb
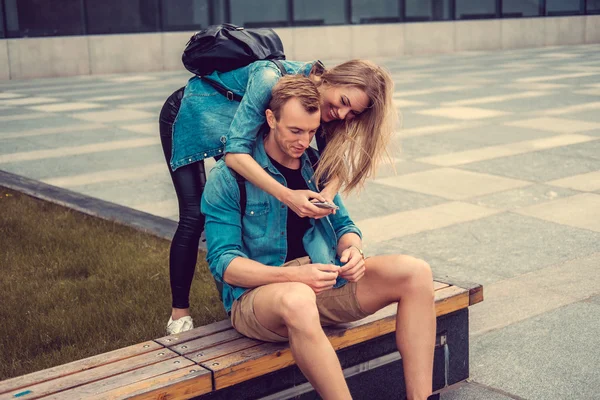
x: 157, y: 226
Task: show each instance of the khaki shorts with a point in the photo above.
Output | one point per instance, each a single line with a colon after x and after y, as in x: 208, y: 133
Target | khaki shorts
x: 335, y: 306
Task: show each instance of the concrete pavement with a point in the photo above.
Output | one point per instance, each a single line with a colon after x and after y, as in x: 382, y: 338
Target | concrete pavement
x: 497, y: 181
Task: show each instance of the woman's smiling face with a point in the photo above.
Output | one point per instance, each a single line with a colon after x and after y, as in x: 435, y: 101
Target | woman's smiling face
x: 342, y: 102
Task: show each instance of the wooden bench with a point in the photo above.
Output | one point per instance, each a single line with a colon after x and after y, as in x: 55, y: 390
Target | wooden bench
x: 216, y: 362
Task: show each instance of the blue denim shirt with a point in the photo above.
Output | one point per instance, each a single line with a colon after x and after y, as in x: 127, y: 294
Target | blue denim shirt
x: 261, y: 234
x: 208, y: 124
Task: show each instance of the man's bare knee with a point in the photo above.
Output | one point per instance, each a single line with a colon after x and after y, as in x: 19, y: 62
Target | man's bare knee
x: 419, y: 278
x: 299, y: 306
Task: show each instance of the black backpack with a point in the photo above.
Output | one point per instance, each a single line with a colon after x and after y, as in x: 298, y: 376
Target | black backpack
x: 227, y: 47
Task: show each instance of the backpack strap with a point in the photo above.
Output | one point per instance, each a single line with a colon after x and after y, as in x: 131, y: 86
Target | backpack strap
x: 234, y: 96
x: 222, y: 89
x: 280, y: 67
x: 241, y: 182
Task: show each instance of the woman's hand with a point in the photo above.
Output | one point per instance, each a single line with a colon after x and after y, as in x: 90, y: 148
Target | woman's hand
x: 299, y: 202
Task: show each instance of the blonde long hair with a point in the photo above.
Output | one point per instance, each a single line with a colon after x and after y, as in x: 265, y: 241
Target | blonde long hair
x: 355, y: 148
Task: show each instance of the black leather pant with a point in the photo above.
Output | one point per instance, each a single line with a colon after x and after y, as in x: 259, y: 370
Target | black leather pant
x: 189, y: 184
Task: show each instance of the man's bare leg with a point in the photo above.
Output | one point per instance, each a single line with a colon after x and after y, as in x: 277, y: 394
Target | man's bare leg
x: 409, y: 282
x: 289, y: 309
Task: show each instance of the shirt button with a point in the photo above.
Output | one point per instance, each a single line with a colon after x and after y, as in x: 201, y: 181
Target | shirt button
x: 220, y: 151
x: 251, y: 212
x: 282, y: 206
x: 189, y: 159
x: 309, y: 181
x: 205, y: 154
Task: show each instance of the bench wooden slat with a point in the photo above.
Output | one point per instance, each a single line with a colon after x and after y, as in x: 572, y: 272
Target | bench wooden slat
x: 439, y: 285
x: 223, y: 349
x: 90, y: 375
x: 11, y: 385
x: 197, y: 373
x: 206, y: 342
x: 249, y: 363
x: 475, y: 289
x: 450, y: 299
x: 122, y: 382
x: 183, y: 387
x: 195, y: 333
x: 259, y: 360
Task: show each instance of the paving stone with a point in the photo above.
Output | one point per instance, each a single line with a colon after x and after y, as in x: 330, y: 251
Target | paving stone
x: 400, y: 168
x: 585, y: 182
x: 504, y: 150
x: 468, y: 91
x: 551, y: 356
x: 586, y: 116
x: 522, y: 197
x: 410, y: 119
x: 467, y: 139
x: 473, y: 391
x: 80, y: 138
x: 541, y: 166
x: 10, y: 146
x: 558, y: 125
x: 581, y: 211
x: 377, y: 200
x: 452, y: 183
x: 113, y: 116
x: 463, y: 113
x: 92, y: 162
x: 13, y: 110
x: 379, y: 229
x: 133, y: 192
x: 505, y: 244
x: 584, y: 151
x: 45, y: 121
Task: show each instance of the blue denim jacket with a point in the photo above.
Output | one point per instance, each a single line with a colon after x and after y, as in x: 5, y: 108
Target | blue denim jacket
x: 261, y: 234
x: 208, y: 124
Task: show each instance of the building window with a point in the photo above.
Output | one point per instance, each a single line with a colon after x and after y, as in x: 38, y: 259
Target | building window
x: 118, y: 16
x: 562, y: 7
x: 427, y: 10
x: 375, y: 11
x: 2, y: 30
x: 475, y: 9
x: 520, y: 8
x: 319, y: 12
x: 593, y: 6
x: 186, y: 15
x: 31, y: 18
x: 259, y: 13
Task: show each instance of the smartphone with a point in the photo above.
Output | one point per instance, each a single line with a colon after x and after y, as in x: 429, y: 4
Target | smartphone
x: 329, y: 206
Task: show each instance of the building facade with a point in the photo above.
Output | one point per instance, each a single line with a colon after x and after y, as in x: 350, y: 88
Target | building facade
x: 73, y: 37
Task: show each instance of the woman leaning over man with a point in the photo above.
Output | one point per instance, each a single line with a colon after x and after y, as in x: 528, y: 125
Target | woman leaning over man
x: 197, y: 122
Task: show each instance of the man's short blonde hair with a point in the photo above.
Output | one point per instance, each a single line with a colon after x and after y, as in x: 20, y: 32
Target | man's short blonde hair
x: 295, y: 86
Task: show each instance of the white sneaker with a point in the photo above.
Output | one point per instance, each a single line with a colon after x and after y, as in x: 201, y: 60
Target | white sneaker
x: 179, y: 325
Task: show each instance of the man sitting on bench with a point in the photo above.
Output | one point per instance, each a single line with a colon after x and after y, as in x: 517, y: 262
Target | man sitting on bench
x: 327, y: 280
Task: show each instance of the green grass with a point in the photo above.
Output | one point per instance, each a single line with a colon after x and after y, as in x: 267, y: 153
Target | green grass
x: 73, y: 286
